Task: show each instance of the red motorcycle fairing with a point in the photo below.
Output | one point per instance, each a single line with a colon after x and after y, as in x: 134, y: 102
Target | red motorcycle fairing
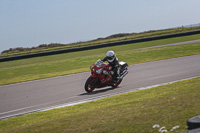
x: 93, y: 75
x: 107, y: 79
x: 97, y: 72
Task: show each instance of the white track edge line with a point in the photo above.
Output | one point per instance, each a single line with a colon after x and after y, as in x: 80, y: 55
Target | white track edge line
x: 92, y: 99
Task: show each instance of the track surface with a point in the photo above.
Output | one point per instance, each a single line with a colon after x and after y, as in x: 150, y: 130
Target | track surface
x: 33, y: 95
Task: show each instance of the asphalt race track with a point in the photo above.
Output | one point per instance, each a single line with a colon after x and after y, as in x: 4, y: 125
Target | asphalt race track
x: 26, y: 97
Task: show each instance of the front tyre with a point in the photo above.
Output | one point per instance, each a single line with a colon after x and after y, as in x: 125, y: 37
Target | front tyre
x: 89, y: 84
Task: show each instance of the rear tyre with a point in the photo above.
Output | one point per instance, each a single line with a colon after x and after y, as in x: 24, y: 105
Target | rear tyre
x: 89, y: 87
x: 116, y: 84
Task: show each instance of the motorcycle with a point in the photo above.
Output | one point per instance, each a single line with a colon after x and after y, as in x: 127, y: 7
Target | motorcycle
x: 101, y: 75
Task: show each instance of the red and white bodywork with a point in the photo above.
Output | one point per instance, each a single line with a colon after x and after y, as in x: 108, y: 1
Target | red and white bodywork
x: 100, y: 76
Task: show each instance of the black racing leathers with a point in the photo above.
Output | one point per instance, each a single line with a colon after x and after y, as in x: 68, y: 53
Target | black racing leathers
x: 115, y: 66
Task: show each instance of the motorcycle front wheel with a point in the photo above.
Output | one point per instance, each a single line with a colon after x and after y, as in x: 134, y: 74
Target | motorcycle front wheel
x: 89, y: 84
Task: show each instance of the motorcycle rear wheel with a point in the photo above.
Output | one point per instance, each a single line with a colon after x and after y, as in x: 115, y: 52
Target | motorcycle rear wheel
x: 116, y: 84
x: 88, y: 84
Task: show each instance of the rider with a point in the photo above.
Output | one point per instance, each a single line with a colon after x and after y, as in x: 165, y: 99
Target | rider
x: 113, y: 61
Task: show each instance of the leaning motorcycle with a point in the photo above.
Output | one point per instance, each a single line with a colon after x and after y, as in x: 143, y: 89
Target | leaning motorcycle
x: 101, y: 76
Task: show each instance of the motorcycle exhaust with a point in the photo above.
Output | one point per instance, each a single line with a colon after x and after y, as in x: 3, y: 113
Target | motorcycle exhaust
x: 124, y: 74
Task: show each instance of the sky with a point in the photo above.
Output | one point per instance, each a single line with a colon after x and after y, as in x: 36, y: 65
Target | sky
x: 29, y: 23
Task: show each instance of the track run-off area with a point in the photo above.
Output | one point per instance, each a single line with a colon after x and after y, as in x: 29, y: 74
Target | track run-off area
x: 38, y: 95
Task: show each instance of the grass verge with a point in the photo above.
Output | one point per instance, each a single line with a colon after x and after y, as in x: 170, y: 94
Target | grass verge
x: 168, y: 105
x: 68, y: 63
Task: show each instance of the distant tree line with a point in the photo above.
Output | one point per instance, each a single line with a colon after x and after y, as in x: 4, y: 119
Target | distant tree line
x: 21, y: 49
x: 43, y: 46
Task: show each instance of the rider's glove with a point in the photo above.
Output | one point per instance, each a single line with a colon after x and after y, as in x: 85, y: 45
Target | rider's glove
x: 99, y: 61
